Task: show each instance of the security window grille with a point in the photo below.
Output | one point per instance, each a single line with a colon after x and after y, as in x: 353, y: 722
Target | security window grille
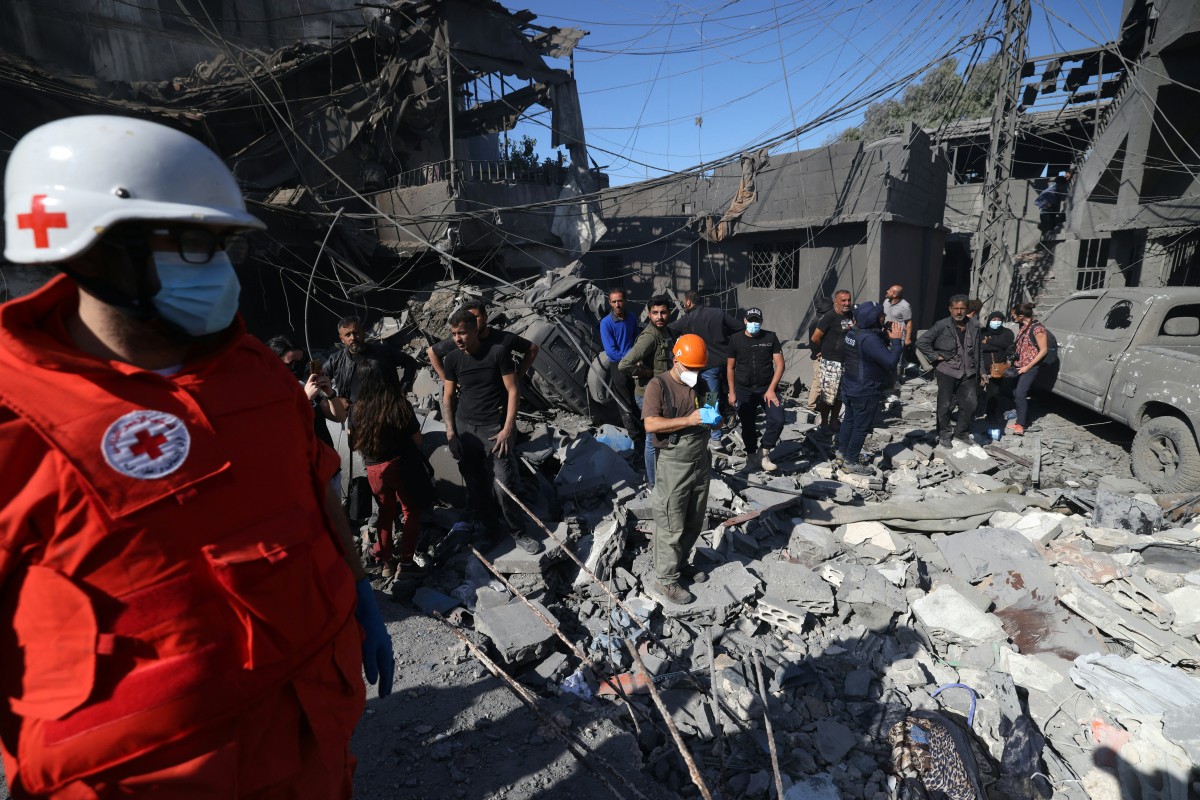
x: 775, y: 266
x: 1093, y: 265
x: 1183, y: 259
x: 613, y: 267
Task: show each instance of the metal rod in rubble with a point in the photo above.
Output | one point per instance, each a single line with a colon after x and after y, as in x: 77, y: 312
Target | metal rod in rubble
x: 583, y: 567
x: 697, y: 779
x: 762, y: 693
x: 530, y: 701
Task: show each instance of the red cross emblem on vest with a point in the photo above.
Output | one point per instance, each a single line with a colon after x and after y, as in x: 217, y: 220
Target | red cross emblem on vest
x: 40, y: 221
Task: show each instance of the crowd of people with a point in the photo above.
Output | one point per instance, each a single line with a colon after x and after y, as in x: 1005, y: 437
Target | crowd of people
x: 179, y: 573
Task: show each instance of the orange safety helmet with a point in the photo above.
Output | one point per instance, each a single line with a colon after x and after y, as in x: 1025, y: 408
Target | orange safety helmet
x: 691, y: 351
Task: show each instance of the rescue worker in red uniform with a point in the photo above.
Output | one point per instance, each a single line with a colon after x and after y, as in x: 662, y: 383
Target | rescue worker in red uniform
x: 182, y: 611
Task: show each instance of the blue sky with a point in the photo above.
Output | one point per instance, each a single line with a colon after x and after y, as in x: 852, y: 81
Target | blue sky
x: 668, y: 85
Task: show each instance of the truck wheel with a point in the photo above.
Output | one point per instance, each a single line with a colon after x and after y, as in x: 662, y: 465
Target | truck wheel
x: 1165, y: 456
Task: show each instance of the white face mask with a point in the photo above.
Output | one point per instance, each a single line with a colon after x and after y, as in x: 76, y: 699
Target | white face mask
x: 689, y: 377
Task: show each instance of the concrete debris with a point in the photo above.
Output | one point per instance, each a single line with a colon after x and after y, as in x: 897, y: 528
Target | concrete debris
x: 517, y: 633
x: 1067, y: 603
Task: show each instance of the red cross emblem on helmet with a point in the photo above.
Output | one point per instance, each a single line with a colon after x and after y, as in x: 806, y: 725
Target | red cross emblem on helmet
x: 40, y: 221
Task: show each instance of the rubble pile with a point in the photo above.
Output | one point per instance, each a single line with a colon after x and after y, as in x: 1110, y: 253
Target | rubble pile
x: 1024, y: 600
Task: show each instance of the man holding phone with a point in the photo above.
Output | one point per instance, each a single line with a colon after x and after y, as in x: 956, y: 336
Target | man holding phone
x: 869, y: 362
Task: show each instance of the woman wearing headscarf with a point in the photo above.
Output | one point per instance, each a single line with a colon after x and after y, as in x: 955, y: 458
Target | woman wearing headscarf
x: 386, y: 433
x: 996, y: 351
x: 1032, y: 345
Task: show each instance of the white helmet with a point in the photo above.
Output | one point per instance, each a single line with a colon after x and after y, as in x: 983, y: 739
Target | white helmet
x: 69, y: 181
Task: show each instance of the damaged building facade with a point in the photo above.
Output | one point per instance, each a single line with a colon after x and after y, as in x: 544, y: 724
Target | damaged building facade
x: 1122, y: 119
x: 778, y: 231
x: 388, y: 120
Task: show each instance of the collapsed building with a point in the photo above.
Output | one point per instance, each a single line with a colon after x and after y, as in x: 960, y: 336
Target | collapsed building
x: 1121, y: 118
x: 778, y: 231
x: 392, y: 129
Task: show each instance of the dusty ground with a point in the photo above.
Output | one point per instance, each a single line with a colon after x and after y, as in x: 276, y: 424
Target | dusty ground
x: 452, y: 730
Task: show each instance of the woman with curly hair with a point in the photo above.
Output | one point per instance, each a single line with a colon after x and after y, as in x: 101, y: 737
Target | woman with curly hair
x: 385, y: 432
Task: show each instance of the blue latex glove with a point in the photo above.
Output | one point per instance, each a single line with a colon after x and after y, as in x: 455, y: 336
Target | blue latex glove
x: 378, y: 659
x: 709, y: 416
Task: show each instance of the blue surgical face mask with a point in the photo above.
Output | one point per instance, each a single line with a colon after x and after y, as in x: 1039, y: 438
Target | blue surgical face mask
x: 995, y: 324
x: 199, y: 298
x: 753, y: 328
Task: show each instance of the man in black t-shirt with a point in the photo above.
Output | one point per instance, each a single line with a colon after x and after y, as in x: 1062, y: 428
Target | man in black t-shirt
x: 479, y: 406
x: 754, y: 368
x: 507, y: 341
x: 830, y: 336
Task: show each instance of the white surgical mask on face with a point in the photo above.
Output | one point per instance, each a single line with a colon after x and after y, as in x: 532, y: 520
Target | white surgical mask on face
x: 995, y: 324
x: 753, y: 328
x: 689, y: 377
x: 199, y: 298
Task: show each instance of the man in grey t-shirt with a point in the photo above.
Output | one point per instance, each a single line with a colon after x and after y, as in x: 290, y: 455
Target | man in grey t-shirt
x: 897, y: 309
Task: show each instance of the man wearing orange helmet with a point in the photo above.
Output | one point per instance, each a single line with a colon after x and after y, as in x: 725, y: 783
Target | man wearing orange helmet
x: 672, y: 412
x: 178, y: 585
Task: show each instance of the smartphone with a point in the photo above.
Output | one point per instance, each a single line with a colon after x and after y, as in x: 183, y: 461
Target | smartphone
x: 314, y: 367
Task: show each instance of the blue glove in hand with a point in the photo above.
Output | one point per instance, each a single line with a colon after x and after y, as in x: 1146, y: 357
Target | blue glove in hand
x: 378, y: 659
x: 709, y: 416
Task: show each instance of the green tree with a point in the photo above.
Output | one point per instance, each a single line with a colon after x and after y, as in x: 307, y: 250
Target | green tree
x: 942, y: 95
x: 522, y: 157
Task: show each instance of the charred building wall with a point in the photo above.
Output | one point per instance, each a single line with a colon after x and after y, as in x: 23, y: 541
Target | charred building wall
x: 849, y: 215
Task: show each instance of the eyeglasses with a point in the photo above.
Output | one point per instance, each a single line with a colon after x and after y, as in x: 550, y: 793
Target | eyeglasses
x: 195, y: 245
x: 199, y: 245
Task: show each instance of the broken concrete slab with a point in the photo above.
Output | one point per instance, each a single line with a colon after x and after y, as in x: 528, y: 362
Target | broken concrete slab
x: 431, y: 601
x: 718, y: 598
x: 949, y: 617
x: 798, y: 584
x: 590, y: 467
x: 1185, y: 602
x: 1098, y: 608
x: 834, y: 740
x: 812, y: 544
x: 813, y: 787
x: 872, y: 532
x: 968, y: 458
x: 600, y: 550
x: 516, y: 632
x: 1036, y: 526
x: 1118, y: 510
x: 509, y: 559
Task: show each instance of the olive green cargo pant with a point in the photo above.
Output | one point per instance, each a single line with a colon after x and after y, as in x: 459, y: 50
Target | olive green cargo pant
x: 680, y: 500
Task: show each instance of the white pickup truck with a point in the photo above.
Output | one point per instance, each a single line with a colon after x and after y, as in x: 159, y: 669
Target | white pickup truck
x: 1134, y: 356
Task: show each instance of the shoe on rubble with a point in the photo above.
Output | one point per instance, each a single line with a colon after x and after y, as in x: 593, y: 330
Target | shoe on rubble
x: 767, y: 463
x: 691, y: 574
x: 527, y: 544
x: 675, y: 593
x: 410, y: 570
x: 944, y: 441
x: 858, y: 469
x: 1017, y: 429
x: 389, y: 569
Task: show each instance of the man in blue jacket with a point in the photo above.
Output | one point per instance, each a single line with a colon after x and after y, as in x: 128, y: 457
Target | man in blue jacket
x: 618, y: 331
x: 870, y: 360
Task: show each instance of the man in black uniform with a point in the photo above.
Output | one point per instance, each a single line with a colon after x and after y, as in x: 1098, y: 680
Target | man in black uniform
x: 754, y: 367
x: 479, y: 406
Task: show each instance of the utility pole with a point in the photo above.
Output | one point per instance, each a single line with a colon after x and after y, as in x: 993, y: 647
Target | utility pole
x: 991, y: 261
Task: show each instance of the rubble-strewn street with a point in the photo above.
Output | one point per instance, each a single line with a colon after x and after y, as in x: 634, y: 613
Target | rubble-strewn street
x: 1024, y: 604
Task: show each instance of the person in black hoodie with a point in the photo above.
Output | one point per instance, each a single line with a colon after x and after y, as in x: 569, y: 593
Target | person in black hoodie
x: 997, y: 345
x: 870, y: 359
